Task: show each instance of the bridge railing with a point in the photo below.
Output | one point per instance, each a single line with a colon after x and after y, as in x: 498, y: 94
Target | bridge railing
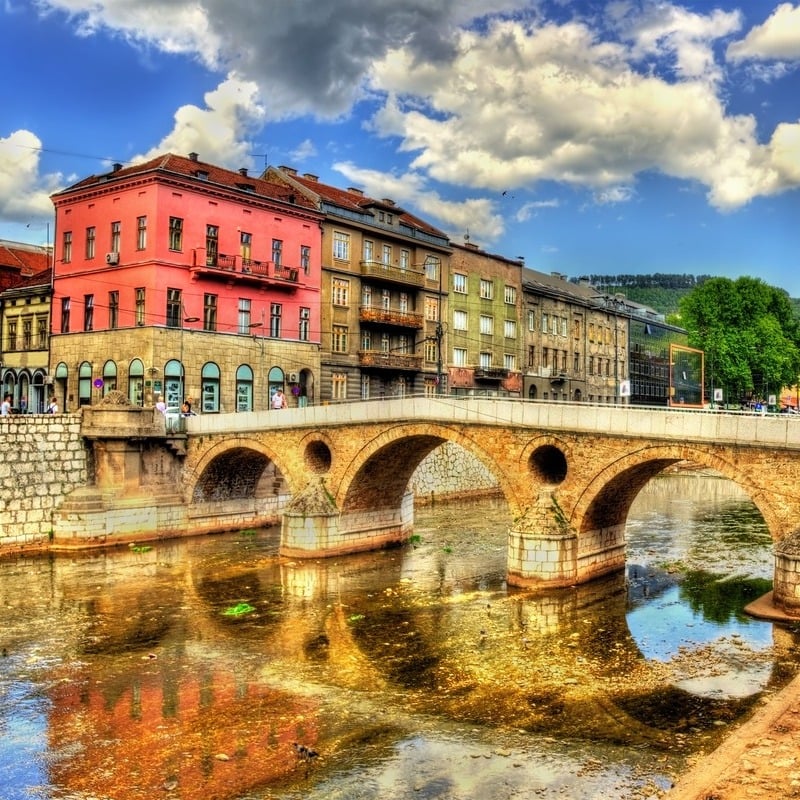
x: 681, y: 424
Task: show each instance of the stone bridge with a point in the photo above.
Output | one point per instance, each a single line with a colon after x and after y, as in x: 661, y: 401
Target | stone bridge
x: 569, y: 472
x: 337, y: 477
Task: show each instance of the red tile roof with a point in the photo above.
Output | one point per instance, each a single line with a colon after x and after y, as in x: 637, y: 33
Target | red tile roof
x: 24, y: 258
x: 191, y: 167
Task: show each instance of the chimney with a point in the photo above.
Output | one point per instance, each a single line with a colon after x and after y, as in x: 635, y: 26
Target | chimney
x: 117, y: 167
x: 353, y: 190
x: 387, y: 201
x: 471, y: 246
x: 243, y: 172
x: 309, y: 177
x: 192, y: 156
x: 288, y: 170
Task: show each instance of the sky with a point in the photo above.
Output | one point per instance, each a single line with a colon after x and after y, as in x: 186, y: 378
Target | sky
x: 588, y: 137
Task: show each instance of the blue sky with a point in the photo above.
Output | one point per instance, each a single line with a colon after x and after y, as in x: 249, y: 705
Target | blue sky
x: 589, y: 137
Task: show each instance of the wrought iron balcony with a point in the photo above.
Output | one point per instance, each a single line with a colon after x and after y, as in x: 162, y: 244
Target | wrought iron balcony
x: 490, y: 374
x: 247, y: 270
x: 388, y: 316
x: 395, y: 361
x: 388, y: 273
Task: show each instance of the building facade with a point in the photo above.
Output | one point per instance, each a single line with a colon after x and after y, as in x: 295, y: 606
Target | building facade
x: 485, y: 302
x: 384, y: 280
x: 177, y: 278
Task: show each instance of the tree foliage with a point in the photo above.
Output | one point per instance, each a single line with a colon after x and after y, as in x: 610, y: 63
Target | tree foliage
x: 748, y: 331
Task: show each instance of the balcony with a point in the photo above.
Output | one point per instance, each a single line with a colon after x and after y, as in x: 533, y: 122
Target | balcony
x: 377, y: 359
x: 388, y: 316
x: 389, y: 274
x: 490, y: 374
x: 246, y: 270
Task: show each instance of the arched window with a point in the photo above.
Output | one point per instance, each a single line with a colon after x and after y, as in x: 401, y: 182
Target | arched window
x: 109, y: 377
x: 532, y: 392
x: 209, y: 392
x: 173, y: 383
x: 85, y: 384
x: 244, y: 388
x: 275, y: 380
x: 136, y: 383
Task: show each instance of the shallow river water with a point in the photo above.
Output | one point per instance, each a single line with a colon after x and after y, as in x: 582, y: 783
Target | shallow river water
x: 210, y: 668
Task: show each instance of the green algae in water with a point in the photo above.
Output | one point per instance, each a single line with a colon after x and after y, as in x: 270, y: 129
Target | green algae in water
x: 238, y: 610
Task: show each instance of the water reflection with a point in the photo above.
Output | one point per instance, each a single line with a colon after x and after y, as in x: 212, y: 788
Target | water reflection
x: 190, y: 670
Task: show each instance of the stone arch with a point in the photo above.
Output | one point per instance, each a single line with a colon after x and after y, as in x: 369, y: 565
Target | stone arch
x: 607, y: 498
x: 379, y: 473
x: 235, y: 468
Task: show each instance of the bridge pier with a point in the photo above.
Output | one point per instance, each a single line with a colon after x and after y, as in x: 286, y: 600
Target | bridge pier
x: 313, y: 527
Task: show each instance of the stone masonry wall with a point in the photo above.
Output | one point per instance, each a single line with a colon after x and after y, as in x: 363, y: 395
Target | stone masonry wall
x: 450, y: 472
x: 44, y: 459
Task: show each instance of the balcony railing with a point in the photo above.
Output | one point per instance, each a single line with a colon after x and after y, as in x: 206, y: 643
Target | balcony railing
x: 247, y: 269
x: 490, y: 374
x: 388, y: 316
x: 382, y: 360
x: 386, y: 272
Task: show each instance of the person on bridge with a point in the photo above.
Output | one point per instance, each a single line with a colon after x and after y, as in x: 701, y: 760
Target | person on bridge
x: 279, y: 399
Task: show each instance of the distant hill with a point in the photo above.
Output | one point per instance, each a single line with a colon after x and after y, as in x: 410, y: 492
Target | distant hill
x: 659, y: 291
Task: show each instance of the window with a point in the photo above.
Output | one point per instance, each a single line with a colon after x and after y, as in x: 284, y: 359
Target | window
x: 387, y: 254
x: 27, y: 333
x: 305, y: 323
x: 209, y: 312
x: 485, y: 360
x: 368, y: 249
x: 404, y: 302
x: 459, y: 283
x: 531, y: 320
x: 88, y: 312
x: 531, y: 356
x: 174, y: 309
x: 402, y: 344
x: 244, y: 388
x: 405, y: 259
x: 12, y: 335
x: 554, y: 324
x: 341, y: 246
x: 486, y: 289
x: 277, y: 251
x: 511, y: 295
x: 67, y: 247
x: 275, y: 313
x: 432, y: 268
x: 576, y: 363
x: 64, y: 315
x: 116, y: 236
x: 564, y: 324
x: 113, y: 310
x: 339, y: 386
x: 141, y: 233
x: 339, y: 339
x: 510, y: 362
x: 91, y: 241
x: 209, y: 388
x: 212, y: 245
x: 42, y: 332
x: 366, y: 296
x: 576, y: 329
x: 140, y: 306
x: 366, y: 339
x: 545, y: 322
x: 460, y: 356
x: 246, y: 245
x: 385, y: 343
x: 175, y: 233
x: 487, y: 325
x: 386, y: 299
x: 459, y: 320
x: 510, y: 329
x: 244, y: 315
x: 431, y: 351
x: 432, y: 309
x: 340, y: 292
x: 305, y: 258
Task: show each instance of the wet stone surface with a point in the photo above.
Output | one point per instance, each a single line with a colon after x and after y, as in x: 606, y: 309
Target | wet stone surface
x: 214, y: 669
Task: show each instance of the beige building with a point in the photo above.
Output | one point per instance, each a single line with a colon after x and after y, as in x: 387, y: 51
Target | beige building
x: 384, y: 282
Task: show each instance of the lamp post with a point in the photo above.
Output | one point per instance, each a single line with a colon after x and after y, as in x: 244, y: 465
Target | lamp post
x: 184, y: 320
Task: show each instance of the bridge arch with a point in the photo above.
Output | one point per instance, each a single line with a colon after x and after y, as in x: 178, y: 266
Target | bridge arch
x: 379, y: 473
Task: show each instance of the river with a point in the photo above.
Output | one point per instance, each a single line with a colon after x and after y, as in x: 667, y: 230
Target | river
x: 212, y: 669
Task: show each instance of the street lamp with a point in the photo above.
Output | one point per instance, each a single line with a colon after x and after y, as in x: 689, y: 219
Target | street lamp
x: 184, y: 320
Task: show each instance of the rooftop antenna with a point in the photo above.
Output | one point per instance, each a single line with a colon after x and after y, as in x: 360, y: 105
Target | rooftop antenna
x: 261, y: 155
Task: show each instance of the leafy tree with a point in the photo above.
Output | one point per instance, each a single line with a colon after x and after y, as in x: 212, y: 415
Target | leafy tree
x: 748, y: 331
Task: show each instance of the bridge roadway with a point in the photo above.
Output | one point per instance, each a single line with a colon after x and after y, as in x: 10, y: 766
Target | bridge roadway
x: 340, y: 473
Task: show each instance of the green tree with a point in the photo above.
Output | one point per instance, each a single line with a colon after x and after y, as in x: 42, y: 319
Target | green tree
x: 748, y: 331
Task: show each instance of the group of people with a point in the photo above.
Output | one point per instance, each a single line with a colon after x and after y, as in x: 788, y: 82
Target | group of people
x: 278, y: 401
x: 6, y: 409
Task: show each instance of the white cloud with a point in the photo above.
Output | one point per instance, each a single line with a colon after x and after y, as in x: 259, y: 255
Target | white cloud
x: 218, y: 132
x: 476, y: 215
x: 24, y: 193
x: 531, y: 209
x: 305, y: 150
x: 614, y: 194
x: 777, y: 38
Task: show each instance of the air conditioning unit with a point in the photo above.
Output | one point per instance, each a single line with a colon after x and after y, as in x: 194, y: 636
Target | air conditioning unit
x: 293, y: 377
x: 112, y: 258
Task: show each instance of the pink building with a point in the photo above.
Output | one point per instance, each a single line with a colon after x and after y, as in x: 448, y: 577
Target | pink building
x: 178, y: 278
